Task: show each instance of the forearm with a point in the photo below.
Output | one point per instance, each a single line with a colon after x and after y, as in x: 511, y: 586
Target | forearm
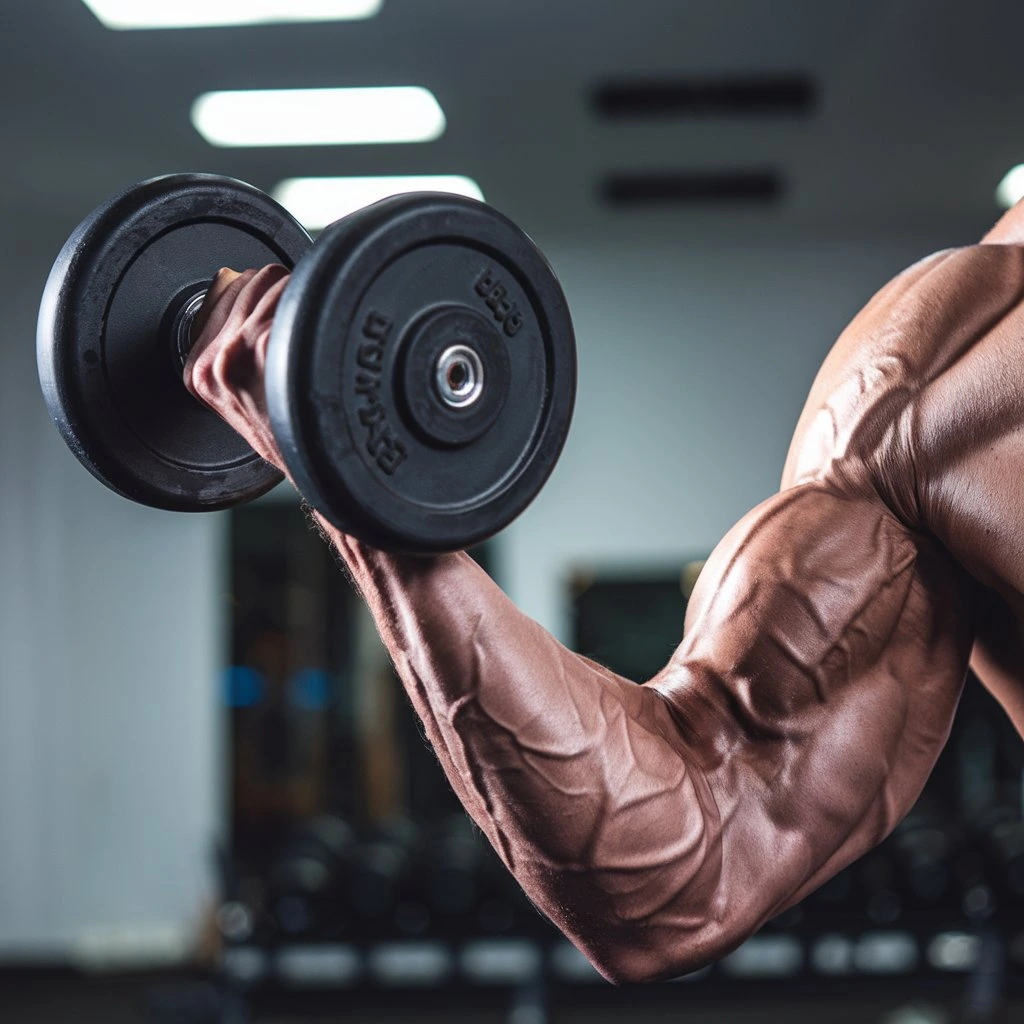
x: 574, y: 774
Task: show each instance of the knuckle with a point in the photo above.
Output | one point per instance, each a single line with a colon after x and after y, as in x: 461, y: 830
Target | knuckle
x: 230, y: 364
x: 204, y: 379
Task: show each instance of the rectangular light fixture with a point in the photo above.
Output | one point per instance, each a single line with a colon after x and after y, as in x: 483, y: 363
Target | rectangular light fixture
x: 317, y: 202
x: 318, y: 117
x: 1011, y: 189
x: 131, y: 14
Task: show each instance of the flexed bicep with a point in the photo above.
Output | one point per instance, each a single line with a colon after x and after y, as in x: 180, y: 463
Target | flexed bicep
x: 826, y: 651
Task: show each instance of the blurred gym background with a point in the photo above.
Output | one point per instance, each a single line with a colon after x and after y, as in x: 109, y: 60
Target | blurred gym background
x: 215, y: 804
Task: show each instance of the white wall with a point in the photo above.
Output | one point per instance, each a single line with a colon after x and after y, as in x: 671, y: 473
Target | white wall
x: 111, y: 626
x: 694, y: 361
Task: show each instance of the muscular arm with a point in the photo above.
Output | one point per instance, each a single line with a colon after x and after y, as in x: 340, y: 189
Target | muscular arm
x: 658, y: 825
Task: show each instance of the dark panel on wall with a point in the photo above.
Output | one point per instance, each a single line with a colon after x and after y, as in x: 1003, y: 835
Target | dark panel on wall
x: 692, y: 188
x: 726, y: 96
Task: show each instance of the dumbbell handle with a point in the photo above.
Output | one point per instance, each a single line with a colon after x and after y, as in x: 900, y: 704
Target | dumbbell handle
x: 458, y: 373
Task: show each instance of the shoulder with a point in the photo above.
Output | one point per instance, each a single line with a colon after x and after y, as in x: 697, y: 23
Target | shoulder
x: 860, y: 426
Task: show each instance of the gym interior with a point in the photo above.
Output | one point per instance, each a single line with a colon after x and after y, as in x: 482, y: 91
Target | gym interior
x: 216, y: 804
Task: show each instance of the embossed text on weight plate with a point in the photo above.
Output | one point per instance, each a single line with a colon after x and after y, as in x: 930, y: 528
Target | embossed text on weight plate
x: 383, y: 445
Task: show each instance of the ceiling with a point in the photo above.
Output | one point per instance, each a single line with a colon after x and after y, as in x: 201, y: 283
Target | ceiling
x: 919, y: 112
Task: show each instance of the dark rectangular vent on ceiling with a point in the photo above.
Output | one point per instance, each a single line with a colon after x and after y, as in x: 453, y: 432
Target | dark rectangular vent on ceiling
x: 692, y: 188
x: 736, y: 96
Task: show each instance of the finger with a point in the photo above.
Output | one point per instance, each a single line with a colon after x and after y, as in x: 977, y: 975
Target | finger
x: 256, y: 285
x: 252, y: 292
x: 231, y: 348
x: 213, y: 315
x: 263, y: 315
x: 223, y: 278
x: 220, y: 283
x: 232, y: 293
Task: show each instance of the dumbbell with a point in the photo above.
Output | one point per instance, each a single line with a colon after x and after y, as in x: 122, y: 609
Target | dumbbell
x: 421, y: 368
x: 383, y: 880
x: 309, y: 876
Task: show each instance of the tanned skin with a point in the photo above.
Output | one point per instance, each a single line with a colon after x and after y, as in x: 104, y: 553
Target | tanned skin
x: 826, y: 643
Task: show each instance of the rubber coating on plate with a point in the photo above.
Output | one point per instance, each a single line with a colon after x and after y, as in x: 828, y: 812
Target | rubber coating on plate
x: 350, y: 372
x: 106, y: 347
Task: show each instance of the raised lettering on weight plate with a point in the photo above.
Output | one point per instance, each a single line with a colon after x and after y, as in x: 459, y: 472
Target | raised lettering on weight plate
x: 382, y: 444
x: 496, y: 298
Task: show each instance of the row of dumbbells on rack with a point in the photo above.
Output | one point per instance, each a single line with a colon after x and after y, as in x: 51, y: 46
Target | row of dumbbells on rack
x: 919, y: 901
x: 329, y: 882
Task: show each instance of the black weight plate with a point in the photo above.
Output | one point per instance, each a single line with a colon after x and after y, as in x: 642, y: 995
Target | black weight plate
x: 106, y: 349
x: 353, y: 411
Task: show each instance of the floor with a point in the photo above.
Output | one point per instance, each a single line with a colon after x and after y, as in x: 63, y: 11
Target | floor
x: 43, y: 997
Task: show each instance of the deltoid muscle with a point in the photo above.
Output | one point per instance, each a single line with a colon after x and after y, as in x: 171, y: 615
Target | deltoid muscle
x: 826, y: 644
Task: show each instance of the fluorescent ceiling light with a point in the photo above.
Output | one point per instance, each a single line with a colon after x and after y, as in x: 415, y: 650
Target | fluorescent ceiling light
x: 124, y: 14
x: 317, y: 202
x: 318, y: 117
x: 1011, y: 188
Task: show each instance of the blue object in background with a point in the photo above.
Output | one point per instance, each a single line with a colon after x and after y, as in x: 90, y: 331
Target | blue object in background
x: 244, y: 687
x: 310, y: 689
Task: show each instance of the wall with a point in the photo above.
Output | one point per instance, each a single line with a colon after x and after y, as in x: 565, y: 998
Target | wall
x: 111, y: 628
x: 694, y: 360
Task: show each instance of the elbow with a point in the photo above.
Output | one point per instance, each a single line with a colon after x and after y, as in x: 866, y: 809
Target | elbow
x: 628, y: 969
x: 619, y: 965
x: 654, y: 954
x: 681, y: 933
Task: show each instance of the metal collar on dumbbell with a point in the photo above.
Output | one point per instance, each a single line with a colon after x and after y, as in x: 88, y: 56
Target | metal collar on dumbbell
x: 459, y: 376
x: 454, y: 376
x: 181, y: 332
